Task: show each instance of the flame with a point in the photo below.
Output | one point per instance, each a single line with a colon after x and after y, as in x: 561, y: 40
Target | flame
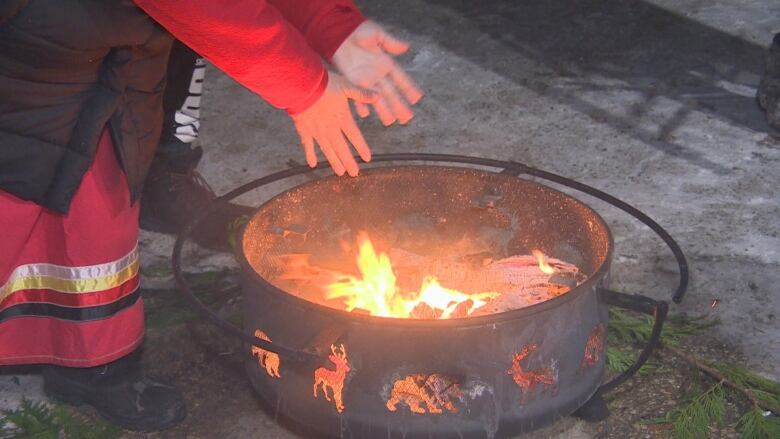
x: 376, y: 291
x: 543, y: 265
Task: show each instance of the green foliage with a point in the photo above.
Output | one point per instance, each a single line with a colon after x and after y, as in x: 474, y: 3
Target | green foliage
x: 620, y: 360
x: 41, y: 421
x: 629, y: 328
x: 763, y: 390
x: 755, y: 425
x: 702, y: 409
x: 693, y: 420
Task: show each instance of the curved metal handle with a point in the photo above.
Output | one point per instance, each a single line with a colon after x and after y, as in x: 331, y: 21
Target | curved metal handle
x: 512, y: 168
x: 646, y: 305
x: 283, y: 351
x: 682, y: 263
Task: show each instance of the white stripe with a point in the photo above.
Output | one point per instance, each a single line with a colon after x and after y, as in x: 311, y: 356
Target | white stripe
x: 73, y: 273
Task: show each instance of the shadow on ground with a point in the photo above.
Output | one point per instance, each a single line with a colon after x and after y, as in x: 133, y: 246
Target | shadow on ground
x: 604, y: 46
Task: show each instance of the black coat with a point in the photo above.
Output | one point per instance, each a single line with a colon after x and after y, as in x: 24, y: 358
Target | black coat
x: 68, y: 68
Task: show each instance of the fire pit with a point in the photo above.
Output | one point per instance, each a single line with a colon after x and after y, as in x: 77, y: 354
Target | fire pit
x: 505, y: 334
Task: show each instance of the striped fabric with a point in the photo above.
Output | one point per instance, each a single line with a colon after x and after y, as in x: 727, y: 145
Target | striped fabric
x: 54, y: 290
x: 69, y: 283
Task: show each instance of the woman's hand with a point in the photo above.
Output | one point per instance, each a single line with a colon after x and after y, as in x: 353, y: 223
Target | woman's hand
x: 365, y: 59
x: 329, y: 123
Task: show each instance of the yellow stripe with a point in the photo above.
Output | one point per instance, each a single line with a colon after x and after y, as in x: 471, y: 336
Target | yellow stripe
x: 71, y: 286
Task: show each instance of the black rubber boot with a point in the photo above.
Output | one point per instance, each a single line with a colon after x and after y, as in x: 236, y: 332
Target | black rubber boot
x: 174, y: 193
x: 768, y: 95
x: 120, y: 392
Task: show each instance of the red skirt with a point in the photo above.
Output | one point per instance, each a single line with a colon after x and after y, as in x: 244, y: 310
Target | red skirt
x: 69, y: 283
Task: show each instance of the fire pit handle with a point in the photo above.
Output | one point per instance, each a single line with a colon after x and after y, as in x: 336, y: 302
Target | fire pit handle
x: 638, y: 303
x: 204, y: 311
x: 658, y: 309
x: 515, y: 169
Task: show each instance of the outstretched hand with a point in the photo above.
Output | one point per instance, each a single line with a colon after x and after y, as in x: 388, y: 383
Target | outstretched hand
x: 329, y: 123
x: 365, y: 59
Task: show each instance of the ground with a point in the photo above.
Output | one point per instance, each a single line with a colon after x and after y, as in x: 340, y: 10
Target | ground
x: 651, y: 101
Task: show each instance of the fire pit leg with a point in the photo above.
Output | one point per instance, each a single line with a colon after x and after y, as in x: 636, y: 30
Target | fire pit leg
x: 595, y: 410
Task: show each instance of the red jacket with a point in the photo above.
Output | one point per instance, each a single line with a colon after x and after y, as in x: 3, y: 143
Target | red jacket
x: 273, y: 48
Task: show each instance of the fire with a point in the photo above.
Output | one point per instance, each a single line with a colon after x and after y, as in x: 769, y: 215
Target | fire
x: 377, y: 293
x: 375, y: 290
x: 543, y: 265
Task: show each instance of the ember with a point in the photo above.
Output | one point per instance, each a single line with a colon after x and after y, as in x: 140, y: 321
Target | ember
x: 497, y: 285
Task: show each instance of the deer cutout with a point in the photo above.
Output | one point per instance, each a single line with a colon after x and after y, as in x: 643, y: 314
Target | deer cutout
x: 333, y: 378
x: 594, y: 347
x: 266, y: 359
x: 527, y: 380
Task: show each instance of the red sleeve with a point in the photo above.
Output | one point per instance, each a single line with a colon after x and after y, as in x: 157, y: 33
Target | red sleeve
x: 250, y: 41
x: 324, y: 23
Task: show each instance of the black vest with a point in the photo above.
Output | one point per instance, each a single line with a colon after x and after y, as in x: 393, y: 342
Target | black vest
x: 68, y: 68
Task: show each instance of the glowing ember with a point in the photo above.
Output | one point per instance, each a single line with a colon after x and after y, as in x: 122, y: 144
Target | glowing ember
x: 437, y: 392
x: 268, y: 360
x: 543, y: 265
x: 527, y: 380
x: 377, y: 293
x: 333, y: 379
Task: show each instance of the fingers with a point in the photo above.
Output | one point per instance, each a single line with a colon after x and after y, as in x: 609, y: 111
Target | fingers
x: 344, y: 154
x: 308, y: 144
x: 331, y: 156
x: 362, y: 109
x: 392, y: 44
x: 359, y: 94
x: 399, y: 109
x: 308, y: 149
x: 355, y: 137
x: 383, y: 112
x: 406, y: 85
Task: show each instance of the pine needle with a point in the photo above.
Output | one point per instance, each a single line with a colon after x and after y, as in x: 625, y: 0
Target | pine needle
x: 40, y: 421
x: 765, y: 391
x: 619, y: 360
x: 756, y: 425
x: 625, y: 327
x: 693, y: 420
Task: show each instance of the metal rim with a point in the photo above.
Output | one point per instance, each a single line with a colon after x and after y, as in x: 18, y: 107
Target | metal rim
x: 588, y: 285
x: 510, y: 168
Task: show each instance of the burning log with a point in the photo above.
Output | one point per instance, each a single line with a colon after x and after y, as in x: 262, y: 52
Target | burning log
x: 425, y: 311
x: 419, y: 287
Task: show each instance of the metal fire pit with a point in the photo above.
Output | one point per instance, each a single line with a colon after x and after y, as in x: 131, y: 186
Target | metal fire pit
x: 486, y: 376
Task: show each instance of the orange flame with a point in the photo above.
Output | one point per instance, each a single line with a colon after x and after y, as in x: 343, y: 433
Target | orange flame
x: 543, y: 265
x: 376, y: 291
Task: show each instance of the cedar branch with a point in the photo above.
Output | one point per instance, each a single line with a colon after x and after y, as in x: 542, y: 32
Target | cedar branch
x: 717, y: 375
